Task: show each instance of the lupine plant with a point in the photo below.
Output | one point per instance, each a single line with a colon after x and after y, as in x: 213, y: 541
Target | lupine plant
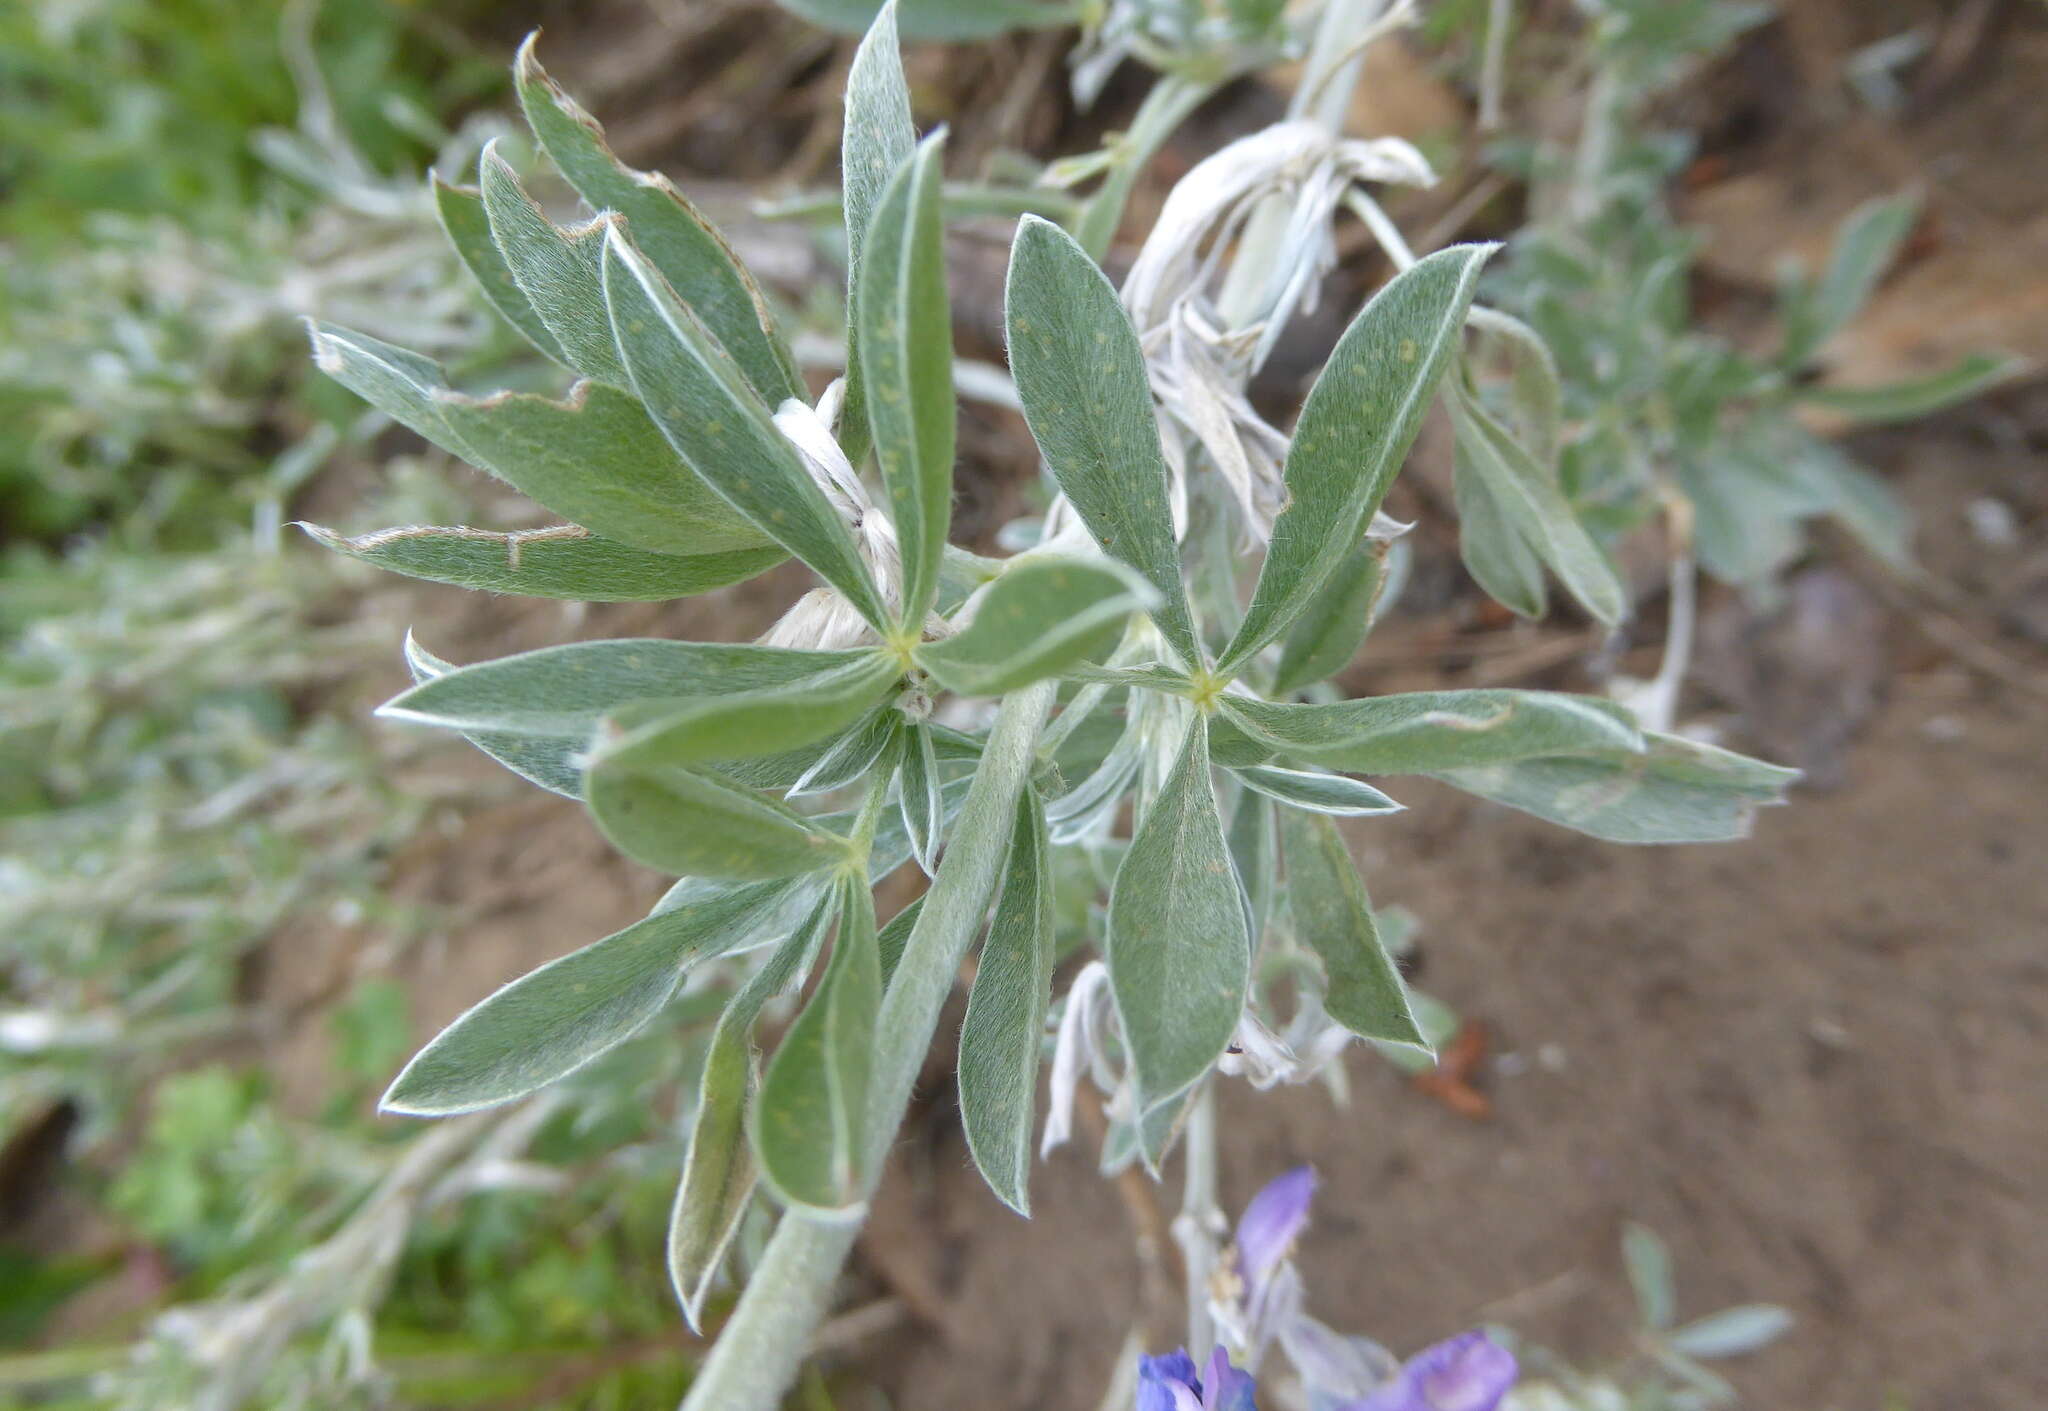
x: 1134, y: 707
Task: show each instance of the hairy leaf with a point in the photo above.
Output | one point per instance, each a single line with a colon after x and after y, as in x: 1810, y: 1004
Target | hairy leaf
x: 876, y: 137
x: 721, y: 428
x: 689, y: 253
x: 918, y: 796
x: 557, y: 270
x: 1360, y: 418
x: 1316, y: 792
x: 1333, y: 915
x: 1043, y: 615
x: 1429, y: 731
x: 810, y: 1120
x: 1864, y: 249
x: 554, y: 1020
x: 905, y: 337
x: 1004, y: 1030
x: 1178, y: 951
x: 1081, y: 377
x: 1677, y: 791
x: 1328, y: 633
x: 565, y: 690
x: 1495, y: 551
x: 1530, y: 501
x: 693, y: 823
x: 748, y: 724
x: 548, y: 762
x: 561, y: 561
x: 719, y: 1173
x: 468, y: 226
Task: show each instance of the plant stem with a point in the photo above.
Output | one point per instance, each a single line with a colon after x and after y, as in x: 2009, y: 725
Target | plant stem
x: 1165, y: 108
x: 761, y: 1347
x: 1195, y: 1227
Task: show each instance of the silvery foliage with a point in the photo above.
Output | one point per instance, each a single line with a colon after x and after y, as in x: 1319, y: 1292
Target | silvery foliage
x: 1130, y: 713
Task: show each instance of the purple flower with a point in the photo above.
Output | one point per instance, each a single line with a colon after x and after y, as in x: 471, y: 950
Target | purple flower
x: 1169, y: 1383
x: 1470, y: 1372
x: 1267, y: 1230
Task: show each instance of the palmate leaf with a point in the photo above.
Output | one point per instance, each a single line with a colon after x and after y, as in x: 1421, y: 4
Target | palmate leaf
x: 719, y: 1172
x: 810, y: 1118
x: 1355, y: 429
x: 564, y: 691
x: 721, y: 428
x: 595, y: 459
x: 1081, y: 377
x: 1004, y: 1029
x: 691, y: 256
x: 876, y: 138
x: 1428, y: 732
x: 1043, y: 615
x: 693, y: 823
x: 1675, y: 791
x: 905, y: 337
x: 554, y: 1020
x: 1178, y: 950
x: 468, y: 226
x: 1333, y: 915
x: 561, y: 561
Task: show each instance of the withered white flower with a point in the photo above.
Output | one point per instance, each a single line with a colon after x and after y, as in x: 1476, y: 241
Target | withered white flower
x: 1200, y: 358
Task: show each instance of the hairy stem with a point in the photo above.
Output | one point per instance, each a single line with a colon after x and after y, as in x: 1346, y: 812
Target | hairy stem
x: 762, y: 1346
x: 1195, y: 1228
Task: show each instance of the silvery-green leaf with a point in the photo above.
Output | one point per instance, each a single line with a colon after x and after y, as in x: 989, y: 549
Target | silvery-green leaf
x: 597, y: 460
x: 1858, y: 500
x: 1317, y: 792
x: 1648, y: 1262
x: 1864, y: 248
x: 876, y: 138
x: 719, y: 426
x: 565, y: 690
x: 1363, y: 990
x: 918, y: 797
x: 1677, y: 791
x: 1496, y: 553
x: 719, y: 1173
x: 1255, y: 852
x: 1043, y: 615
x: 689, y: 253
x: 469, y: 229
x: 557, y: 270
x: 1745, y: 524
x: 1179, y: 956
x: 1535, y: 389
x: 1733, y: 1331
x: 1081, y: 376
x: 691, y: 823
x: 1360, y: 418
x: 905, y: 338
x: 1426, y: 732
x: 1146, y: 1141
x: 1004, y: 1030
x: 953, y: 20
x: 748, y: 724
x: 852, y: 755
x: 890, y: 941
x: 594, y: 459
x: 554, y: 1020
x: 1327, y: 635
x: 548, y: 762
x: 810, y: 1120
x: 1915, y: 397
x: 562, y: 561
x: 1530, y: 500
